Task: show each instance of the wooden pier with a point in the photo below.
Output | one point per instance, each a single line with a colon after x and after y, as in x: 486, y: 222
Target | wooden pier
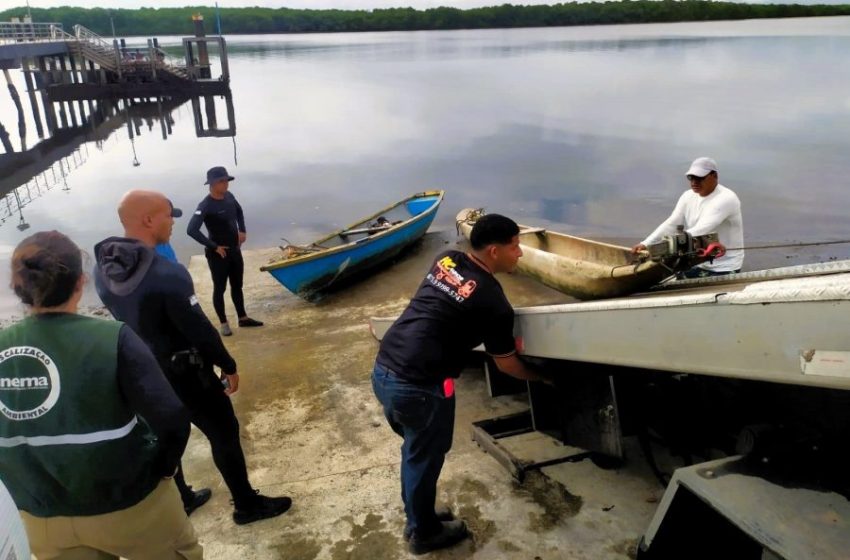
x: 84, y: 58
x: 62, y: 68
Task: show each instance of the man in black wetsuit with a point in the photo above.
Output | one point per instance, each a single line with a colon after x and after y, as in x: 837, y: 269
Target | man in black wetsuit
x: 225, y: 223
x: 156, y: 298
x: 458, y: 305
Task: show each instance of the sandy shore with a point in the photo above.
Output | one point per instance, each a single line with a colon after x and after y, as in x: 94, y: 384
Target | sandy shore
x: 312, y: 429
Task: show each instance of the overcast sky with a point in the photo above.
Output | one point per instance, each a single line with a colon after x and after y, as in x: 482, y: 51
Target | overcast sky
x: 315, y: 4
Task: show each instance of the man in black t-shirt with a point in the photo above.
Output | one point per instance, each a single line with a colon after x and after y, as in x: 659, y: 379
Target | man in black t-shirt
x: 225, y: 222
x: 458, y: 305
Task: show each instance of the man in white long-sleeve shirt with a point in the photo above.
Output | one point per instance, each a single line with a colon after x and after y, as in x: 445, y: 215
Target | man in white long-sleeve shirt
x: 707, y: 207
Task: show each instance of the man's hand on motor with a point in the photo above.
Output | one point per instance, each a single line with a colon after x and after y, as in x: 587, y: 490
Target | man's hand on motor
x: 638, y: 248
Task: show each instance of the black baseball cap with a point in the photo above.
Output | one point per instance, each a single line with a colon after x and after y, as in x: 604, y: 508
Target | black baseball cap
x: 175, y: 212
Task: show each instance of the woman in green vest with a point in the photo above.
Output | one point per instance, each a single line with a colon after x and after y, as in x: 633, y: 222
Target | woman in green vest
x: 90, y: 429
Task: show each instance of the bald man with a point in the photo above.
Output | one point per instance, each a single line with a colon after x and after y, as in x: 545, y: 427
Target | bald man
x: 156, y: 297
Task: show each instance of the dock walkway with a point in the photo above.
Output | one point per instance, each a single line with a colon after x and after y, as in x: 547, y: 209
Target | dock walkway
x: 20, y: 41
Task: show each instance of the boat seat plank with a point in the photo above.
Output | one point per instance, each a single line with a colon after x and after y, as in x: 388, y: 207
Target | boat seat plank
x: 363, y: 230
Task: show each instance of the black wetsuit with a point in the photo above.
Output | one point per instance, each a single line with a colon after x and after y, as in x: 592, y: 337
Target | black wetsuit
x: 149, y: 394
x: 224, y: 221
x: 156, y: 298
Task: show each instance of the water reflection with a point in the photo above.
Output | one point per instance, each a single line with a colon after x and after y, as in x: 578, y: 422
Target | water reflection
x: 583, y: 130
x: 391, y: 50
x: 208, y: 127
x: 17, y: 198
x: 27, y: 175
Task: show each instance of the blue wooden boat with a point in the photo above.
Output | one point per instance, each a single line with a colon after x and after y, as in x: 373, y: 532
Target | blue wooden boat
x: 311, y: 270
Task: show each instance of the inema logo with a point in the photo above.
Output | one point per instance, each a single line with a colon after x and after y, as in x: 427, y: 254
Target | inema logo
x: 25, y: 392
x: 18, y: 383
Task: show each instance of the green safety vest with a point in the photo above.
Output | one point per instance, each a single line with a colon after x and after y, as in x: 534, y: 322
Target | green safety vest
x: 70, y: 444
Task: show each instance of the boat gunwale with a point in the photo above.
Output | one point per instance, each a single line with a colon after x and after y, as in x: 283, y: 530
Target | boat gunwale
x: 532, y: 230
x: 285, y: 263
x: 640, y: 266
x: 590, y: 269
x: 608, y: 280
x: 547, y: 232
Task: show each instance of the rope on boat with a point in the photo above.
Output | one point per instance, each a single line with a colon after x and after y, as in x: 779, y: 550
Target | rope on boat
x: 747, y: 248
x: 470, y: 219
x: 474, y: 215
x: 788, y: 245
x: 291, y: 251
x: 638, y: 263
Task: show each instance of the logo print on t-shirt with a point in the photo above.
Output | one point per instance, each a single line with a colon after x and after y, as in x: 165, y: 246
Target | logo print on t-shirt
x: 467, y: 289
x: 445, y: 272
x: 31, y: 394
x: 446, y: 278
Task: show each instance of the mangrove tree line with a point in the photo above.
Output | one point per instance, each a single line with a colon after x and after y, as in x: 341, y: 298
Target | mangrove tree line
x: 166, y: 21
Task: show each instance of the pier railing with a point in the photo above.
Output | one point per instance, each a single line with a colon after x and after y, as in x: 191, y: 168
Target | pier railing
x: 135, y: 64
x: 88, y: 36
x: 16, y: 32
x: 94, y: 47
x: 127, y: 60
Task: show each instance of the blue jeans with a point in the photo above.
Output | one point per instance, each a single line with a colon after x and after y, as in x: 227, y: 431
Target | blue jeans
x: 425, y: 419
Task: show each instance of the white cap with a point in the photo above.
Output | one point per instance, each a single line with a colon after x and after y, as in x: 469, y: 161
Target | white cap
x: 701, y: 167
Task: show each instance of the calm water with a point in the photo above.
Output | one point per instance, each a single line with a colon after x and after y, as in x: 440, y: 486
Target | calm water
x: 587, y: 130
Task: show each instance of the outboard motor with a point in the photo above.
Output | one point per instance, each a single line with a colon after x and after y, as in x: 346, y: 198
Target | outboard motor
x: 684, y: 245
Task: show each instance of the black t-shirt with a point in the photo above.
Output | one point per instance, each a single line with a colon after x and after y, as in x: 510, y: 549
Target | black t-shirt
x: 224, y: 220
x: 458, y: 306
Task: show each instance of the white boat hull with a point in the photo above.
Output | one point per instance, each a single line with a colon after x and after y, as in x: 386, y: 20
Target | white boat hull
x: 792, y: 331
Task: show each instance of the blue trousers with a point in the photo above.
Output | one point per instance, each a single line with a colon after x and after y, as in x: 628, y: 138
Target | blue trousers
x: 425, y: 419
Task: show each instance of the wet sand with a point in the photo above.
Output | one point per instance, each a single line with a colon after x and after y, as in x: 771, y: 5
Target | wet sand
x: 312, y: 429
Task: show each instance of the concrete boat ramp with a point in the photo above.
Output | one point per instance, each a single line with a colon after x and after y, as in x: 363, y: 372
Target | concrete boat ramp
x: 312, y: 429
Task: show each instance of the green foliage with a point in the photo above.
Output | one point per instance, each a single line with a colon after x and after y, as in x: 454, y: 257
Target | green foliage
x: 177, y: 21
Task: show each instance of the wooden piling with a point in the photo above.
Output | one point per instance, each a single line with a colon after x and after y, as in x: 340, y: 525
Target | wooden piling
x: 209, y: 105
x: 22, y: 123
x: 203, y: 52
x: 42, y: 79
x: 4, y: 139
x: 36, y: 114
